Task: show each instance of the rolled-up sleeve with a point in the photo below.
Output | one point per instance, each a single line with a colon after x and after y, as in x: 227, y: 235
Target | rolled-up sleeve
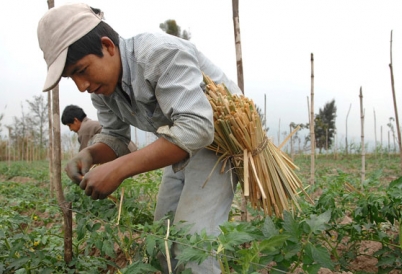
x: 115, y: 133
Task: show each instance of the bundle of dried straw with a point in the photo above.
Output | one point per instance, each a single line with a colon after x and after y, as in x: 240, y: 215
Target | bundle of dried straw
x: 265, y: 172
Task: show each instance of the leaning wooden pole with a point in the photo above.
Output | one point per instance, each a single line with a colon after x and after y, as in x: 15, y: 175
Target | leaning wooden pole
x: 312, y: 134
x: 375, y: 134
x: 265, y: 108
x: 346, y: 135
x: 363, y: 153
x: 63, y: 204
x: 50, y: 149
x: 239, y: 57
x: 292, y: 155
x: 395, y: 106
x: 240, y: 79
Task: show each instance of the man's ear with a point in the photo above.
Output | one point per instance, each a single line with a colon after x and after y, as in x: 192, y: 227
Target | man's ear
x: 108, y: 44
x: 77, y: 122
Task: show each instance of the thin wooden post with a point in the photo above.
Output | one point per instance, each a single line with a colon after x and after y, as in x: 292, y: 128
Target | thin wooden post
x: 292, y: 155
x: 346, y: 136
x: 395, y: 106
x: 63, y: 204
x: 363, y: 169
x: 9, y: 144
x: 312, y: 134
x: 239, y: 57
x: 381, y: 148
x: 265, y: 109
x: 240, y: 79
x: 375, y: 134
x: 389, y: 145
x: 50, y: 149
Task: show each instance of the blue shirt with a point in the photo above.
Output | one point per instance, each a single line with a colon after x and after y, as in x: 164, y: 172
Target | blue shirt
x: 162, y: 91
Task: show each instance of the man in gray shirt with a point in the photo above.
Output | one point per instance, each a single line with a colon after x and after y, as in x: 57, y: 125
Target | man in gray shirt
x: 153, y: 82
x: 76, y: 119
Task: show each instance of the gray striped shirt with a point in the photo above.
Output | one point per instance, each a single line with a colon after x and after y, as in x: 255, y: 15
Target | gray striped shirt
x: 163, y: 93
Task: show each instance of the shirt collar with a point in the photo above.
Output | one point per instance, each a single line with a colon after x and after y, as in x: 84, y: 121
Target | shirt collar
x: 126, y: 75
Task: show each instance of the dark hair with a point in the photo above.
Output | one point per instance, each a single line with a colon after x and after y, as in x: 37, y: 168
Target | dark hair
x: 71, y: 112
x: 91, y: 42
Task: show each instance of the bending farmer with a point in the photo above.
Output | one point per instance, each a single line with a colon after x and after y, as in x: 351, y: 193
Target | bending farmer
x: 153, y: 82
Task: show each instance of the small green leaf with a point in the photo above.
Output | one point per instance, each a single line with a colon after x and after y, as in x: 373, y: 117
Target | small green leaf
x: 235, y: 238
x: 311, y: 269
x: 291, y: 250
x: 273, y: 243
x: 269, y: 228
x: 291, y: 227
x: 150, y: 245
x: 19, y: 263
x: 98, y: 243
x: 107, y: 248
x: 96, y: 226
x: 81, y: 229
x: 318, y: 223
x: 139, y: 268
x: 396, y: 183
x: 191, y: 254
x: 320, y: 256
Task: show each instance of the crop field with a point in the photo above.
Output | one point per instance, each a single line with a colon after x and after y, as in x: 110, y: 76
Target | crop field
x: 350, y: 227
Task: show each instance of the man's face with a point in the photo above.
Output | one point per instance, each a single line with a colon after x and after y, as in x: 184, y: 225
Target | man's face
x: 75, y: 126
x: 99, y: 75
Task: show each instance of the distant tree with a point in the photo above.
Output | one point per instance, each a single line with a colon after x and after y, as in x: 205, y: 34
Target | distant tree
x: 19, y: 133
x: 392, y: 129
x: 296, y: 136
x: 28, y: 132
x: 170, y: 27
x: 38, y: 118
x: 325, y: 127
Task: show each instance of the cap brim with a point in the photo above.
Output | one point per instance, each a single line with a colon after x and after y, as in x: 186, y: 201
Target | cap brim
x: 55, y: 70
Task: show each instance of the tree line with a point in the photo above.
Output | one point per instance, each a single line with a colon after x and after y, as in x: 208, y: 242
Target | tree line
x: 28, y: 134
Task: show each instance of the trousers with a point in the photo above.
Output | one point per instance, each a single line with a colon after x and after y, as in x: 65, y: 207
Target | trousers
x: 204, y: 207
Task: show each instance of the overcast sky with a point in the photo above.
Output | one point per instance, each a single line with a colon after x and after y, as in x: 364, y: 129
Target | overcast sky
x: 350, y: 41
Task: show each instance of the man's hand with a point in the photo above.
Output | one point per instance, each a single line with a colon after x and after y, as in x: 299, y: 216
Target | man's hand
x: 101, y: 181
x: 78, y: 166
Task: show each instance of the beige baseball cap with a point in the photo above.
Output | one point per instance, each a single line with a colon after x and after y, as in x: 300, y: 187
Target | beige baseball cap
x: 59, y: 28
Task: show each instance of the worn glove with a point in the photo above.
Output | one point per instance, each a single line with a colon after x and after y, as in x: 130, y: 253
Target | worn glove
x: 78, y: 166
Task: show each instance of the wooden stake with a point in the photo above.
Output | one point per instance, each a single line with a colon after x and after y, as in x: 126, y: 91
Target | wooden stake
x: 169, y: 263
x: 246, y: 190
x: 363, y: 171
x: 312, y: 134
x: 395, y: 106
x: 120, y: 204
x: 346, y: 136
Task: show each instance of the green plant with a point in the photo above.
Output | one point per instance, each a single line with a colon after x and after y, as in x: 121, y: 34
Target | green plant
x: 31, y: 236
